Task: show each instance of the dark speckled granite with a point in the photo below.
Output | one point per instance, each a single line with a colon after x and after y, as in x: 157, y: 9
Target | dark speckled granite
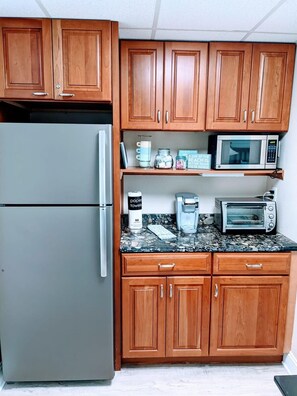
x: 208, y: 239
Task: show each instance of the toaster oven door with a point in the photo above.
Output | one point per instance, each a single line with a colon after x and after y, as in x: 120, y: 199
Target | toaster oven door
x: 244, y: 216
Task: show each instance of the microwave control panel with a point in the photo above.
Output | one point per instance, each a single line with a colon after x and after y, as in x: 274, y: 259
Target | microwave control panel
x: 271, y: 151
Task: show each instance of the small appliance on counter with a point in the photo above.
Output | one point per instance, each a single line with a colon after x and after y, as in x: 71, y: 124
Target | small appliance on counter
x: 187, y: 212
x: 245, y: 215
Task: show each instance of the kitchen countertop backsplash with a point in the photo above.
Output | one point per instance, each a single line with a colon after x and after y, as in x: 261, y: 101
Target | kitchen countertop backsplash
x: 207, y: 239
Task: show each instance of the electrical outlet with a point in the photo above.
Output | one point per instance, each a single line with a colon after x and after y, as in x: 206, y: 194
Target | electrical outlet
x: 273, y: 190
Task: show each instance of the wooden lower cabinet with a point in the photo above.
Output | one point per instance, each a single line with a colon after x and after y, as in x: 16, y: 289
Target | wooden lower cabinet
x: 165, y: 316
x: 235, y: 311
x: 248, y: 315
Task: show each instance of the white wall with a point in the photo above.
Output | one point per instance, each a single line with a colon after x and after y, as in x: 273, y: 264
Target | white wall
x: 159, y: 191
x: 287, y: 189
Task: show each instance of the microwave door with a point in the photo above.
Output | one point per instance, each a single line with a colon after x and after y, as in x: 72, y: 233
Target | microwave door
x: 245, y: 216
x: 241, y: 153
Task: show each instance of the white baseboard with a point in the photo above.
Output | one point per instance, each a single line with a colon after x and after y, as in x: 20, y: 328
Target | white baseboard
x: 290, y: 363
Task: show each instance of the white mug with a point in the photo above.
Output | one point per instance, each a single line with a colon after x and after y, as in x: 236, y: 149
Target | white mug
x: 144, y: 153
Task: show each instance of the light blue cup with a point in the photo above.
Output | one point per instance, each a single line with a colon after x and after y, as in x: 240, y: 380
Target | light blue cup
x: 144, y: 153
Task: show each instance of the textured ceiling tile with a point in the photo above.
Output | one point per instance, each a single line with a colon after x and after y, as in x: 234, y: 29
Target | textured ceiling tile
x: 213, y: 14
x: 273, y: 37
x: 138, y: 34
x: 130, y: 13
x: 283, y: 20
x: 198, y: 35
x: 20, y: 8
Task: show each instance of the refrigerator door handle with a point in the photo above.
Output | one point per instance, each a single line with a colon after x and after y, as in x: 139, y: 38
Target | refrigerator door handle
x: 102, y: 243
x: 101, y: 167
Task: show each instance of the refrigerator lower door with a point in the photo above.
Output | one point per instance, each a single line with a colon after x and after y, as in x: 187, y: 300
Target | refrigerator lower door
x: 56, y: 310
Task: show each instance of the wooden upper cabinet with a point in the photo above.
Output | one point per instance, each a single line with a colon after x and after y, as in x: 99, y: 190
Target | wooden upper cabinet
x: 141, y: 84
x: 185, y: 86
x: 250, y: 86
x: 248, y: 315
x: 26, y: 59
x: 82, y: 60
x: 180, y: 103
x: 271, y: 87
x: 228, y: 86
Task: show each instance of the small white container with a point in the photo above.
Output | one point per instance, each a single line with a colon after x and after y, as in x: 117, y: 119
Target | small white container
x: 135, y: 211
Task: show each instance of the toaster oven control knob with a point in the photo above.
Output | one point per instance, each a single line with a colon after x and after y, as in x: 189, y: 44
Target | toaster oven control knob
x: 271, y: 225
x: 271, y: 216
x: 270, y: 208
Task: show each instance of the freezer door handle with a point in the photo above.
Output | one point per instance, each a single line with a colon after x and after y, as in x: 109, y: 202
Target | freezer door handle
x: 101, y: 167
x: 102, y: 243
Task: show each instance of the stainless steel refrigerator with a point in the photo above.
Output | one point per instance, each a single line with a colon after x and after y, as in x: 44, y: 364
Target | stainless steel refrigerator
x: 56, y: 287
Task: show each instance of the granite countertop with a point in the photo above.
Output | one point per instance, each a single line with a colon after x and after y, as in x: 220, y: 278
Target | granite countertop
x: 207, y: 239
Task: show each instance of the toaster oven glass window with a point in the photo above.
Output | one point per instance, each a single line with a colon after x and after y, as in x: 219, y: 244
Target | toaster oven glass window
x: 248, y: 216
x: 241, y: 152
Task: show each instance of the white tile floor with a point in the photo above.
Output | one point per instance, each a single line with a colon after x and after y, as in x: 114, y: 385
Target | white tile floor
x: 173, y: 380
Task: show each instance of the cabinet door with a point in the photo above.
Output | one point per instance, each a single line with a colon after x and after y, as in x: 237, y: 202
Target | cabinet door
x: 141, y: 85
x: 271, y: 87
x: 185, y: 86
x: 248, y: 315
x: 82, y: 60
x: 228, y: 86
x: 143, y: 317
x: 187, y: 323
x: 25, y: 59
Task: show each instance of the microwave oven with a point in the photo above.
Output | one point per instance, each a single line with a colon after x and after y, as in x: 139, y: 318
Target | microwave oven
x: 245, y: 215
x: 243, y: 151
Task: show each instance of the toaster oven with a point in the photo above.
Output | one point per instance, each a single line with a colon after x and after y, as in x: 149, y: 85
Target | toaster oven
x: 245, y: 215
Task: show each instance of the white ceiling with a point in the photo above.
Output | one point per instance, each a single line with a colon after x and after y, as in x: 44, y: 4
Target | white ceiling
x: 197, y: 20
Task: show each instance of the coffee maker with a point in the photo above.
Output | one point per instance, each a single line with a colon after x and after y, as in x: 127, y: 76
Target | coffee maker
x: 187, y: 212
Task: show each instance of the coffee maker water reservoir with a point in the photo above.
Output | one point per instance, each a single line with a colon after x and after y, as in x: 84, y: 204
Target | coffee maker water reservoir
x: 187, y: 212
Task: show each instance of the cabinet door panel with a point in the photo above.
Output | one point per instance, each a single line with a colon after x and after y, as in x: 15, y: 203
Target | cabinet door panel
x: 187, y: 321
x: 25, y: 59
x: 271, y: 87
x: 141, y: 85
x: 143, y: 315
x: 185, y: 86
x: 82, y: 59
x: 248, y: 315
x: 228, y: 86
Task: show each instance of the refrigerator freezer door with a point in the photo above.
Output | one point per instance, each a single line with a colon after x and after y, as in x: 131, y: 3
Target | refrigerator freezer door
x: 56, y: 310
x: 54, y: 163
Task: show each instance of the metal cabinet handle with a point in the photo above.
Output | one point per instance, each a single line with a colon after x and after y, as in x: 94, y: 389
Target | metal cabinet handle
x: 40, y: 93
x: 170, y: 291
x: 216, y: 293
x: 158, y: 116
x: 253, y: 116
x: 244, y: 115
x: 68, y: 95
x: 166, y: 266
x: 254, y: 266
x: 161, y: 291
x: 166, y: 116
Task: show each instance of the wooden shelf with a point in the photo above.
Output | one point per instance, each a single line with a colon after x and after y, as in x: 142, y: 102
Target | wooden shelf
x: 201, y: 172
